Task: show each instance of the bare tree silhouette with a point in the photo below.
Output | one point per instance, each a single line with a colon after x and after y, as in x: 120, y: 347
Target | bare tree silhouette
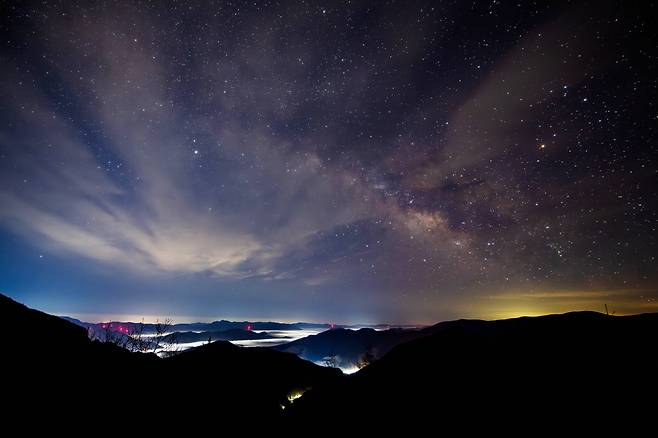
x: 133, y: 337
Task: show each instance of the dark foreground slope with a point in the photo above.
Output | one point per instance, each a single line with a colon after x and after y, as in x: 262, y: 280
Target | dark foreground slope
x: 547, y: 371
x: 65, y: 375
x: 550, y: 370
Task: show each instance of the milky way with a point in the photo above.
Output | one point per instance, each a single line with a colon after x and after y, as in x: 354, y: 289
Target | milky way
x: 334, y: 161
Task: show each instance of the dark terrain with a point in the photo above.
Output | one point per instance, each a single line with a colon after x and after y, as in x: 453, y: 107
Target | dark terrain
x: 585, y: 367
x: 551, y: 370
x: 65, y: 372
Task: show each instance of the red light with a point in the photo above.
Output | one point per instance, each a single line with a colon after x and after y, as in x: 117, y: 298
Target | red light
x: 248, y: 328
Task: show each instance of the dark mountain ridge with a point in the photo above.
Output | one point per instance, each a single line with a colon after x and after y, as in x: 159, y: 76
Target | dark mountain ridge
x: 346, y: 347
x: 66, y: 372
x: 580, y: 368
x: 552, y: 369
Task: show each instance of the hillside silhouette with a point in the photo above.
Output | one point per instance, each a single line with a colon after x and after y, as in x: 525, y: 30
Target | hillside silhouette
x: 581, y: 367
x: 65, y: 369
x: 552, y: 369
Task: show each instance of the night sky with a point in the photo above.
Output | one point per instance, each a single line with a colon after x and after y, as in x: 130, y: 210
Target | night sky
x: 403, y: 162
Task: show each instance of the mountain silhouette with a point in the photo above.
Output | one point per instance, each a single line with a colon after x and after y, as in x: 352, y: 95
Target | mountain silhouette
x: 348, y: 347
x: 214, y: 326
x: 221, y: 335
x: 64, y: 370
x: 552, y: 369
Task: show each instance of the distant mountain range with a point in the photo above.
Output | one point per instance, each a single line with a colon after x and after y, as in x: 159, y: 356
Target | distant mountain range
x: 214, y: 326
x: 185, y: 333
x: 221, y: 335
x: 348, y: 348
x: 344, y: 344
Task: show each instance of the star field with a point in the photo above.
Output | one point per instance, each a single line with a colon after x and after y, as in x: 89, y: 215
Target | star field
x: 337, y: 161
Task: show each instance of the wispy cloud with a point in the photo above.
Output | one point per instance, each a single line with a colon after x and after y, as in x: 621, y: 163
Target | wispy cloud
x: 225, y: 196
